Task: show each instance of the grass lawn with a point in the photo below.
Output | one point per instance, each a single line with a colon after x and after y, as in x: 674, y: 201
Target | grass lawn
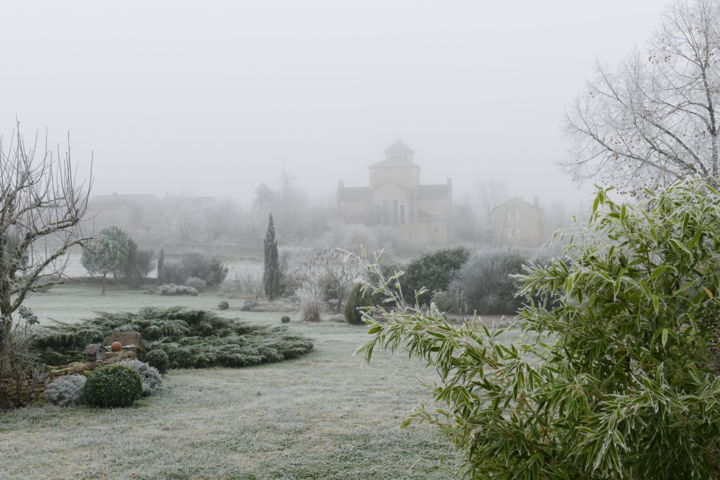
x: 323, y: 416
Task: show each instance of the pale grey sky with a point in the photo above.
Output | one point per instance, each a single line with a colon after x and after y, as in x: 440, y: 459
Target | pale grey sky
x: 214, y: 97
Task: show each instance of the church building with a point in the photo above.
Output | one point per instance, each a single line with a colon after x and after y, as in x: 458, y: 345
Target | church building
x: 416, y: 214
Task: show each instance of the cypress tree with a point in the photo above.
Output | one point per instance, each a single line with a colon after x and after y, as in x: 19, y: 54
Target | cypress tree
x: 271, y: 275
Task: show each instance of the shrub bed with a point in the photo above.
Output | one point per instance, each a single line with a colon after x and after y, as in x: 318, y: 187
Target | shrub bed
x: 190, y: 338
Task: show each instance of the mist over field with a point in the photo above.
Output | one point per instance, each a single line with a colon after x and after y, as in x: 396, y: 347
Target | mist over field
x: 253, y: 239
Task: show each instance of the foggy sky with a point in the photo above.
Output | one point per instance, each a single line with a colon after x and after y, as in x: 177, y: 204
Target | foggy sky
x: 215, y: 97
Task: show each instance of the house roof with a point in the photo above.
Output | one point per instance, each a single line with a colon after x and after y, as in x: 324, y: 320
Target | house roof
x: 518, y: 200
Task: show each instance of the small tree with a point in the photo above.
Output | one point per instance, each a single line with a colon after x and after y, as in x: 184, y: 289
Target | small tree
x: 618, y: 380
x: 271, y: 274
x: 41, y: 205
x: 108, y: 253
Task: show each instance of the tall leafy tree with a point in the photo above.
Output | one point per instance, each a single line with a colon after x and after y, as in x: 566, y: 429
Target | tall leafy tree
x: 108, y: 253
x: 271, y: 274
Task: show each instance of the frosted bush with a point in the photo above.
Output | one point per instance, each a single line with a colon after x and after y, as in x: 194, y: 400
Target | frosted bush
x: 197, y: 283
x: 66, y: 390
x: 172, y: 289
x: 150, y: 378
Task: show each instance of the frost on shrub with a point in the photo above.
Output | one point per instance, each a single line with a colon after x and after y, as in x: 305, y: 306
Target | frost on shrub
x: 442, y: 301
x: 150, y: 378
x: 66, y: 390
x: 310, y: 309
x: 360, y: 297
x: 172, y: 289
x: 614, y: 376
x: 113, y: 386
x: 197, y: 283
x: 485, y: 284
x: 158, y: 359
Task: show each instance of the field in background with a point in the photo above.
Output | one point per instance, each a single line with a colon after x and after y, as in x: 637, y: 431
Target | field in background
x: 323, y: 416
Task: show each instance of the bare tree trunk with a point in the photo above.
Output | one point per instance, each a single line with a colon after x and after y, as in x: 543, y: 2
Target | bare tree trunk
x: 104, y: 277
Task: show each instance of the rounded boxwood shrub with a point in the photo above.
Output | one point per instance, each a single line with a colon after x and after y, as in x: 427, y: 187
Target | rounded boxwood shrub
x: 158, y: 359
x: 285, y: 319
x: 223, y: 305
x: 113, y: 385
x: 359, y: 297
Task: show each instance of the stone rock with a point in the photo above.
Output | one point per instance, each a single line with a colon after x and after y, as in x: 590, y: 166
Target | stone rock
x: 126, y: 338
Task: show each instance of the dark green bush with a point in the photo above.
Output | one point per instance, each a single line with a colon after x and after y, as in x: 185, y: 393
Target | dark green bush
x: 223, y: 305
x: 432, y: 272
x: 485, y: 284
x: 113, y: 386
x: 285, y: 319
x: 158, y: 359
x: 359, y: 297
x: 190, y: 338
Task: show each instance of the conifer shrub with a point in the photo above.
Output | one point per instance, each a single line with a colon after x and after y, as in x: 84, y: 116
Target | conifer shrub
x: 67, y: 390
x: 113, y: 385
x: 158, y: 359
x: 360, y: 297
x: 190, y: 338
x: 616, y: 380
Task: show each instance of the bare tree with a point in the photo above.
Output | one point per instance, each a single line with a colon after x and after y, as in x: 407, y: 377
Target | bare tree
x: 485, y: 195
x: 41, y: 205
x: 653, y: 119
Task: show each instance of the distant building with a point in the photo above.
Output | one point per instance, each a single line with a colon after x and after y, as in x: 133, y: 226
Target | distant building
x: 416, y: 214
x: 517, y: 223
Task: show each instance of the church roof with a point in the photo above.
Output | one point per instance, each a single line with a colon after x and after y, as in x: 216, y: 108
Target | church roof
x: 397, y: 155
x: 399, y: 147
x: 434, y: 191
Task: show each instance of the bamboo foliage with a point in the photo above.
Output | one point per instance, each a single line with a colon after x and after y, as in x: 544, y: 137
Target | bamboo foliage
x: 617, y: 380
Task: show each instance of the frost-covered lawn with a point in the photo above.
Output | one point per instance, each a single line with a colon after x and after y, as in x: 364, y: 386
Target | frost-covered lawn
x: 323, y: 416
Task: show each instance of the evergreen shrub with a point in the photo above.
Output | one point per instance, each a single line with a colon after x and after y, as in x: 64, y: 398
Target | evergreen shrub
x: 113, y: 385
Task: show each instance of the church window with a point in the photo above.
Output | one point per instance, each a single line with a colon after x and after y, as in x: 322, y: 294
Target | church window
x: 386, y: 212
x: 395, y: 211
x: 436, y: 229
x: 513, y: 233
x: 513, y: 215
x: 402, y: 215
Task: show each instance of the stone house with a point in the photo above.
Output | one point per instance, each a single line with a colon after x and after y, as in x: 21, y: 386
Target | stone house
x: 415, y: 214
x: 517, y: 223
